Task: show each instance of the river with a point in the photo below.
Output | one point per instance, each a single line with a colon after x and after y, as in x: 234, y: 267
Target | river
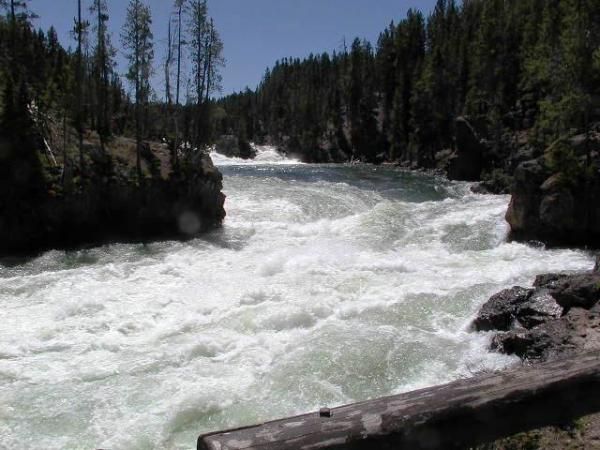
x: 327, y: 285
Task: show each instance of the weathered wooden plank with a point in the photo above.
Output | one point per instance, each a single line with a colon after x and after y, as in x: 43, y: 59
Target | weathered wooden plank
x: 456, y: 415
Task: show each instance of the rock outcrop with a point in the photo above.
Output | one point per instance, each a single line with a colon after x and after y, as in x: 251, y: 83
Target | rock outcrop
x: 559, y: 316
x: 106, y: 202
x: 500, y: 311
x: 234, y: 147
x: 558, y: 205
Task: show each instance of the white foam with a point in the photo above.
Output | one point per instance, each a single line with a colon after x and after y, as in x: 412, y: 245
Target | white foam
x: 265, y: 155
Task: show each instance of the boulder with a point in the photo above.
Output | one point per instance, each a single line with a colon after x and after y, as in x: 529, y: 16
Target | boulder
x: 558, y: 317
x: 234, y: 147
x: 540, y: 307
x: 581, y: 291
x: 578, y: 290
x: 499, y: 312
x: 522, y: 214
x: 548, y: 340
x: 577, y: 331
x: 557, y: 211
x: 227, y: 145
x: 550, y: 280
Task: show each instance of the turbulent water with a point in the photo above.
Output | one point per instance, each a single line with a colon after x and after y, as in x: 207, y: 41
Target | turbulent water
x: 327, y: 285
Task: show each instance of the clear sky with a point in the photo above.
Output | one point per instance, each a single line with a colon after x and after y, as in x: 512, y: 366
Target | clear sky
x: 255, y: 32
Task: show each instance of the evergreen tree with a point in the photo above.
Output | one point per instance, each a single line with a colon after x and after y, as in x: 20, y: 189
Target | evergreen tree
x: 80, y: 32
x: 103, y: 66
x: 137, y: 40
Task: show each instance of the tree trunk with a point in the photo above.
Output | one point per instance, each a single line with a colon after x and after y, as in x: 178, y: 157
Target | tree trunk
x: 209, y: 55
x: 64, y: 171
x: 168, y: 65
x: 177, y: 90
x: 80, y: 84
x: 138, y: 133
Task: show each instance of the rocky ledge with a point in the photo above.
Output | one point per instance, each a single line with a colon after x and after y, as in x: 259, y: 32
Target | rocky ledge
x: 49, y: 203
x: 558, y: 317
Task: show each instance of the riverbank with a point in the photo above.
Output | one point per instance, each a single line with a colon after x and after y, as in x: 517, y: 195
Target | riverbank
x: 56, y: 199
x: 558, y: 317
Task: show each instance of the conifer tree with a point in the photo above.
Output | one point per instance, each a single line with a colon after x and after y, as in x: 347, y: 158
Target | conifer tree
x: 137, y: 38
x: 180, y: 42
x: 80, y: 31
x: 199, y: 32
x: 103, y: 67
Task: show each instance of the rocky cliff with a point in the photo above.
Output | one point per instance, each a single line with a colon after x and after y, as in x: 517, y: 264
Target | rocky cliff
x: 49, y: 201
x: 555, y: 197
x: 554, y: 190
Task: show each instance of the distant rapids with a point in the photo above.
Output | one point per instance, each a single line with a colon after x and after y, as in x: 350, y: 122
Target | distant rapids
x: 264, y: 155
x: 328, y: 284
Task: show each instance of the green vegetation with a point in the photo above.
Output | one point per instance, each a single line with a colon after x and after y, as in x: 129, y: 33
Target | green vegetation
x: 508, y: 65
x: 79, y: 157
x: 80, y: 90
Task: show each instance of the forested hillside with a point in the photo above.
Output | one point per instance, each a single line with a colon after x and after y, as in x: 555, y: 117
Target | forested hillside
x: 86, y: 155
x: 83, y: 85
x: 508, y: 65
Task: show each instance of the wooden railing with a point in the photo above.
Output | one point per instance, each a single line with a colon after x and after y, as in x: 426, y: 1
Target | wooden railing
x: 461, y: 414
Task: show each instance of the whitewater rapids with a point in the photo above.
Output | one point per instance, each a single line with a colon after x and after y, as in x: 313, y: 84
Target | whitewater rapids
x: 327, y: 285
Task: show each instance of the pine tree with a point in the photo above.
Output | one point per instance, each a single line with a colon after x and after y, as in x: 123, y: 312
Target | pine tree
x: 103, y: 68
x: 80, y: 32
x: 137, y: 38
x: 199, y: 32
x: 214, y: 61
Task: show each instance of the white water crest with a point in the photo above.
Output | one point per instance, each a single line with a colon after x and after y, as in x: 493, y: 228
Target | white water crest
x: 327, y: 285
x: 265, y: 154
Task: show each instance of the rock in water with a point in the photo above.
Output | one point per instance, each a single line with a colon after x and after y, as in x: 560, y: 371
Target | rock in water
x: 550, y: 280
x: 558, y: 317
x: 582, y: 291
x: 499, y: 312
x: 539, y: 308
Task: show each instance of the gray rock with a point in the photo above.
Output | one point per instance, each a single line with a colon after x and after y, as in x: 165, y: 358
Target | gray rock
x: 559, y: 317
x: 539, y: 308
x: 550, y: 280
x: 499, y: 312
x: 578, y: 291
x: 522, y: 213
x: 546, y: 341
x: 557, y: 211
x: 233, y: 146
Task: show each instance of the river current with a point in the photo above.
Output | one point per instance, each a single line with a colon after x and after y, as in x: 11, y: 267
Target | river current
x: 326, y: 285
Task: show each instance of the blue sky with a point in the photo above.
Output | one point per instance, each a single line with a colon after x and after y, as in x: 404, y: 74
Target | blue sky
x: 256, y: 32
